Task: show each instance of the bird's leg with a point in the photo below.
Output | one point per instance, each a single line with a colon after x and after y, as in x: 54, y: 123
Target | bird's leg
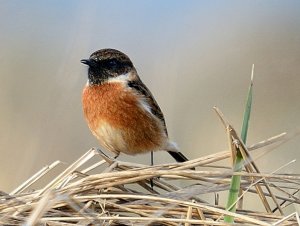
x: 152, y: 163
x: 117, y: 155
x: 152, y: 158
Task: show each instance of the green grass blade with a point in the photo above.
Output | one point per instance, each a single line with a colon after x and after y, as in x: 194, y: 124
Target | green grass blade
x: 247, y: 110
x: 239, y: 162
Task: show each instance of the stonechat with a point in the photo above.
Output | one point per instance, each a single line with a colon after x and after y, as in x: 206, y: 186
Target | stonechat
x: 120, y: 110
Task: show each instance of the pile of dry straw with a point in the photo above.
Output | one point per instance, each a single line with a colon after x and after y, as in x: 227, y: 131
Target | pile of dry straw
x: 111, y: 192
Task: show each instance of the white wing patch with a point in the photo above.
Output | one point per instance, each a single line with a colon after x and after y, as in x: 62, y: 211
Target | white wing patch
x: 144, y: 105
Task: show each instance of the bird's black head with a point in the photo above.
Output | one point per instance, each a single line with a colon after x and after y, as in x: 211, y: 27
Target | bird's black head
x: 107, y: 63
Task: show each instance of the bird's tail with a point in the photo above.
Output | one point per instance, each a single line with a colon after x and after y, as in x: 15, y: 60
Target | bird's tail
x: 178, y: 156
x: 173, y: 150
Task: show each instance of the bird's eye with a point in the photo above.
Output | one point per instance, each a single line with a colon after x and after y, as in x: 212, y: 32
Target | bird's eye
x: 112, y: 63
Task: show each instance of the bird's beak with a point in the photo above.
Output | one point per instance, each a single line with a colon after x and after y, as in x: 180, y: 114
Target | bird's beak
x: 89, y: 62
x: 86, y: 61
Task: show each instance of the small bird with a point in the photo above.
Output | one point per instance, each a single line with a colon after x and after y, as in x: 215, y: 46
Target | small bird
x: 120, y: 110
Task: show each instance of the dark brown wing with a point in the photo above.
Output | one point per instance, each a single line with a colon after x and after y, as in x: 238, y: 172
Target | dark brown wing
x: 141, y: 88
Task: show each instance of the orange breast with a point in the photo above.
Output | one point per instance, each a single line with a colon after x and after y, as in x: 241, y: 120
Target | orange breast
x: 117, y: 118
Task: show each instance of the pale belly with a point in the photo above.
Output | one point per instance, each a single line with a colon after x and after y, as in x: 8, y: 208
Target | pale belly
x: 111, y: 138
x: 130, y: 141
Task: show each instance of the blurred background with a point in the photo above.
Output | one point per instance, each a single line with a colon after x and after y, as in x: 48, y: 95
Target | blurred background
x: 193, y: 55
